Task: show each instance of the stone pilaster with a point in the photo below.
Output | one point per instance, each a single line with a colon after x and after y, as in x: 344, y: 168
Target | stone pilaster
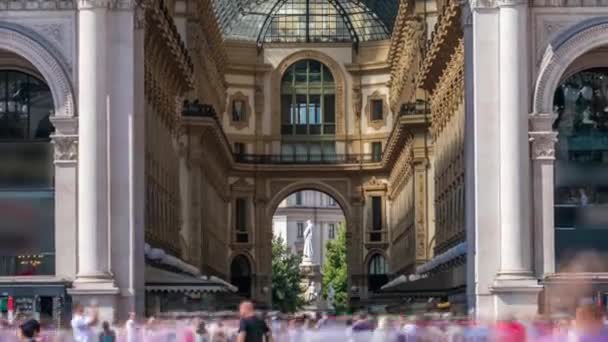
x: 542, y: 143
x: 65, y: 142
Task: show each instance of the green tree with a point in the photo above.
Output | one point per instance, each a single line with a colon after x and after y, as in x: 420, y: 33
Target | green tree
x: 334, y: 270
x: 285, y: 278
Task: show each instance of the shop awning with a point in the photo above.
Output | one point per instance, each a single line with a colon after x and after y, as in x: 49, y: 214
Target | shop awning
x: 26, y: 288
x: 443, y: 281
x: 159, y: 280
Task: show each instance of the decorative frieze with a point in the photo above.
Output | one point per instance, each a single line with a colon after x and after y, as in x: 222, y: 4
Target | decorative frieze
x: 40, y: 5
x: 449, y: 92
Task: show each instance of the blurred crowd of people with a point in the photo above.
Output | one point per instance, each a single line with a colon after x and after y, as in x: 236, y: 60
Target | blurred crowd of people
x: 587, y: 325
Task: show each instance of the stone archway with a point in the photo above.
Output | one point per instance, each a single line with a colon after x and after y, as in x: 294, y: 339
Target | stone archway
x: 29, y: 45
x: 562, y: 51
x: 279, y: 189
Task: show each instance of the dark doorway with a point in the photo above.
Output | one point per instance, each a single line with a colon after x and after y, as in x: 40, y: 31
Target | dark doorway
x: 240, y: 275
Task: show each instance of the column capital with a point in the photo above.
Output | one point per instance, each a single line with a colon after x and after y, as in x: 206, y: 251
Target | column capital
x: 490, y: 4
x: 543, y: 145
x: 66, y: 148
x: 93, y: 4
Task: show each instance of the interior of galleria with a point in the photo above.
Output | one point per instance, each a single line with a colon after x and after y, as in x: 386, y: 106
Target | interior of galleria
x: 148, y: 146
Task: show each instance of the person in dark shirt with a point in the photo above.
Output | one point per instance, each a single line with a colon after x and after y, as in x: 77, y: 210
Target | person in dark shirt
x: 29, y: 330
x: 251, y: 327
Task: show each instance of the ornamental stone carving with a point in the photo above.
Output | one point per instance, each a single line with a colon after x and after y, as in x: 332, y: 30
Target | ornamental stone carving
x: 66, y: 147
x: 30, y: 45
x: 543, y: 145
x: 560, y: 54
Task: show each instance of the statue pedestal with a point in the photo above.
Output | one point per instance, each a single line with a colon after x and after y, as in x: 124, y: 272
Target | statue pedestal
x: 311, y: 273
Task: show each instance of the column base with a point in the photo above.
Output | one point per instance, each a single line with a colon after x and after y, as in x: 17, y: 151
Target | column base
x: 515, y: 295
x: 98, y: 292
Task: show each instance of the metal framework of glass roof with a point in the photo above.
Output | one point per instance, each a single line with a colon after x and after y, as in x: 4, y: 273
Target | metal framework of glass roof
x: 302, y: 21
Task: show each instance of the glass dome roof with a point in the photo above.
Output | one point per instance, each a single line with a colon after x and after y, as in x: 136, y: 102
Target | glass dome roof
x: 302, y: 21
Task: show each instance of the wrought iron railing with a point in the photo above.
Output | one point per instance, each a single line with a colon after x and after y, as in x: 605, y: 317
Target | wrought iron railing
x: 376, y: 236
x: 196, y: 109
x: 240, y: 236
x: 290, y: 159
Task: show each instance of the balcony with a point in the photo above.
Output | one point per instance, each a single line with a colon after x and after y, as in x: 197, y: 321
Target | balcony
x: 288, y: 159
x: 240, y: 237
x: 376, y: 238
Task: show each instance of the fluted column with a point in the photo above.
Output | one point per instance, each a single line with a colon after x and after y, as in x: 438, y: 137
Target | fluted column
x: 515, y: 234
x: 93, y: 258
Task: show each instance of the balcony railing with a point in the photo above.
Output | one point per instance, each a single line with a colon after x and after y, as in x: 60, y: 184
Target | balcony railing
x: 289, y: 159
x: 197, y: 109
x: 374, y: 236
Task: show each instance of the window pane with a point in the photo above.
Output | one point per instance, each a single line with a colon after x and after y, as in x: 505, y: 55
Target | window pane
x: 286, y: 109
x: 315, y: 151
x: 302, y: 106
x: 377, y: 110
x: 28, y: 233
x: 376, y: 151
x: 581, y: 181
x: 40, y: 109
x: 377, y: 213
x: 329, y: 108
x: 241, y: 214
x: 238, y: 108
x: 26, y: 165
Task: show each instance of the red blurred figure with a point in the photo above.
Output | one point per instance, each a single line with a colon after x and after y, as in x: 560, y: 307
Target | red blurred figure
x: 510, y: 331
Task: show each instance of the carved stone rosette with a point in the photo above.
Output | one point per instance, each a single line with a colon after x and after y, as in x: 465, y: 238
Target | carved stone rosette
x: 66, y: 148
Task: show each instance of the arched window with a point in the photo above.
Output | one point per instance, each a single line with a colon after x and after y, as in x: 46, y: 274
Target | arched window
x: 377, y: 273
x: 581, y: 166
x: 26, y: 176
x: 308, y: 110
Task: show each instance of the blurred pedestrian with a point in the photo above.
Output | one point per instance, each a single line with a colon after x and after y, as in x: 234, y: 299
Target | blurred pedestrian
x: 82, y: 325
x: 107, y: 334
x: 29, y: 330
x: 251, y: 327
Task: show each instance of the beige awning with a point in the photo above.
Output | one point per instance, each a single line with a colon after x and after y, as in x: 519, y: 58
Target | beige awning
x: 159, y: 280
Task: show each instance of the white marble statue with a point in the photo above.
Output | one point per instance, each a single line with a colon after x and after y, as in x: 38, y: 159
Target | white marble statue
x: 312, y: 293
x: 308, y: 251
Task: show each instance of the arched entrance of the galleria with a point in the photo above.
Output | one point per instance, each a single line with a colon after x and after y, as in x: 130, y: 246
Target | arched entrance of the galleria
x: 346, y: 193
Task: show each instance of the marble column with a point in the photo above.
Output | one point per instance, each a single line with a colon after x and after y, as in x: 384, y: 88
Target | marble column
x: 93, y: 238
x: 543, y: 139
x: 515, y: 233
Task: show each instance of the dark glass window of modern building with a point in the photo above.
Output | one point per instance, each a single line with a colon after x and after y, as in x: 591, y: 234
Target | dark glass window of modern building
x: 26, y: 176
x: 581, y: 168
